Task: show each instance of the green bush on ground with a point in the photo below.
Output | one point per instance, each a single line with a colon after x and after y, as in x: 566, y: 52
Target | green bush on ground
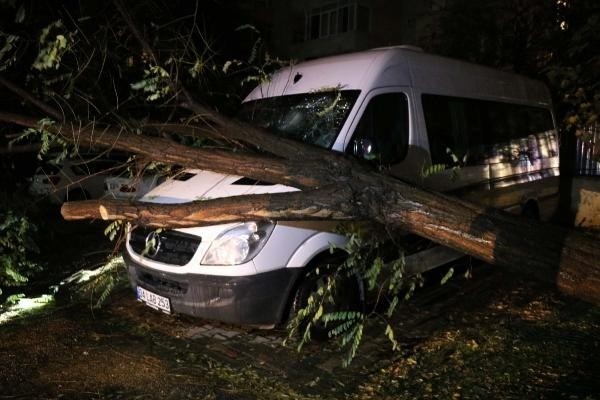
x: 17, y: 247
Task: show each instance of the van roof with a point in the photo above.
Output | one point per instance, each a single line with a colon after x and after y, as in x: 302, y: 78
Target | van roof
x: 403, y: 66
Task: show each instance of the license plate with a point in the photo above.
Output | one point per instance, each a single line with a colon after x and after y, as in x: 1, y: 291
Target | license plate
x: 154, y: 300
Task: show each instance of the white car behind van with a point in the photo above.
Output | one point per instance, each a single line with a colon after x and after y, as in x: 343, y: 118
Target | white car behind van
x: 125, y: 187
x: 70, y: 180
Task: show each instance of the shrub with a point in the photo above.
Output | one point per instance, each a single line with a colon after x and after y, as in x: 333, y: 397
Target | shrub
x: 16, y: 248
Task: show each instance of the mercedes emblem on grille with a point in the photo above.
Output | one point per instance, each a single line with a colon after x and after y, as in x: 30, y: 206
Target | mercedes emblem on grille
x: 152, y: 243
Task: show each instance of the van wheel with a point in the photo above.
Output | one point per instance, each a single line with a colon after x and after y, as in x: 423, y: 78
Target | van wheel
x: 531, y: 210
x: 348, y: 297
x: 77, y: 195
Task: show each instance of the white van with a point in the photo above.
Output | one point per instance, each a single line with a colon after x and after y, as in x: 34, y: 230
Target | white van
x: 399, y: 108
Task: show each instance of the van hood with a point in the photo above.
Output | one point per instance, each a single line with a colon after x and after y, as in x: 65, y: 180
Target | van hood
x: 194, y: 184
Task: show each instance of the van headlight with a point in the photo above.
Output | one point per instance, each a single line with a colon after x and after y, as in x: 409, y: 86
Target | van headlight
x: 238, y: 244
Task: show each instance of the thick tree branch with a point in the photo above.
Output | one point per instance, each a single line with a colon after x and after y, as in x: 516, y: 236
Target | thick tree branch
x: 556, y: 255
x: 307, y: 205
x: 190, y: 130
x: 19, y: 119
x: 260, y: 167
x: 25, y: 95
x: 27, y: 148
x: 559, y: 256
x: 221, y: 127
x: 231, y: 130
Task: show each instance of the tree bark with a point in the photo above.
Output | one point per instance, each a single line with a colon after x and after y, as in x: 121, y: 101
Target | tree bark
x: 555, y: 255
x: 328, y: 203
x: 337, y: 188
x: 331, y: 168
x: 48, y: 110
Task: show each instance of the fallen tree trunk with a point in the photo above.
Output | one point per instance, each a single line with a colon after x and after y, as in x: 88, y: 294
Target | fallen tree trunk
x: 329, y: 167
x: 329, y: 203
x: 338, y: 188
x: 562, y: 257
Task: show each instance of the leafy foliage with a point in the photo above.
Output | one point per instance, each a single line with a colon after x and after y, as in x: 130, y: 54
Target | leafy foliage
x: 96, y: 285
x: 53, y: 46
x: 575, y: 78
x: 16, y: 248
x: 7, y: 52
x: 433, y: 169
x: 259, y: 65
x: 113, y: 229
x: 84, y: 61
x: 85, y: 66
x: 156, y: 83
x: 49, y: 141
x: 378, y: 266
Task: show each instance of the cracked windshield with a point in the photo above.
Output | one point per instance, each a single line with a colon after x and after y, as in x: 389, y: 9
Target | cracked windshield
x: 314, y: 118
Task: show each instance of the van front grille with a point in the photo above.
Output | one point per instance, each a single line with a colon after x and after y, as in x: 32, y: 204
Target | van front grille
x: 169, y: 247
x: 163, y: 286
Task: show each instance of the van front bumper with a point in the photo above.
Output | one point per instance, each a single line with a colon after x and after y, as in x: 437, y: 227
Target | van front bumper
x: 260, y: 299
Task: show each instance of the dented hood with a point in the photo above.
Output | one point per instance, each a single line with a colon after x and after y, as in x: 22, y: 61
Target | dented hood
x: 194, y: 184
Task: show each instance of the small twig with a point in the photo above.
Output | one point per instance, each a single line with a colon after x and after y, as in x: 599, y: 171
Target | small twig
x: 26, y: 148
x: 129, y: 21
x: 18, y: 396
x: 19, y: 119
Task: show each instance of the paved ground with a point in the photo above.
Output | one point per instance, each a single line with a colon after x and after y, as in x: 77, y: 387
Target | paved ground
x: 487, y: 337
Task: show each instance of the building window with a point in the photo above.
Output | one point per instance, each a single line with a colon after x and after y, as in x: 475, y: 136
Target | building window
x: 335, y: 18
x: 438, y: 5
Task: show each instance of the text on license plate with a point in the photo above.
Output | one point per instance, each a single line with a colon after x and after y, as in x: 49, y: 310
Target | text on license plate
x: 154, y: 300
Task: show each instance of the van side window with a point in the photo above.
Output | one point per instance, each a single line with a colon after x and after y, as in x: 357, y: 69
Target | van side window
x: 381, y: 135
x: 474, y: 132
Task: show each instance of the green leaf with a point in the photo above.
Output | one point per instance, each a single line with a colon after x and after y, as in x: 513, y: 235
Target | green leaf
x: 432, y: 170
x: 20, y: 16
x: 389, y: 332
x: 319, y: 313
x: 447, y: 276
x: 392, y: 307
x: 53, y: 47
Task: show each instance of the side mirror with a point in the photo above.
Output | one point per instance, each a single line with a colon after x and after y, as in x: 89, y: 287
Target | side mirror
x: 364, y: 148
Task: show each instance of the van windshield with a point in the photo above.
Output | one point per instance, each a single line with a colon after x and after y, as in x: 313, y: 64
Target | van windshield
x: 315, y: 118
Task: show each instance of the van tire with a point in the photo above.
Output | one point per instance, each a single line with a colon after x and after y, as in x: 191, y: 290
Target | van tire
x: 351, y: 299
x: 531, y: 210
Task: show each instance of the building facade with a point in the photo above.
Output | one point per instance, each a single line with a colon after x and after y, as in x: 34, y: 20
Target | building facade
x: 305, y: 29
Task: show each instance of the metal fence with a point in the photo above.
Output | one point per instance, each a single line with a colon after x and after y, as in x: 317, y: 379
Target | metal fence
x: 587, y: 153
